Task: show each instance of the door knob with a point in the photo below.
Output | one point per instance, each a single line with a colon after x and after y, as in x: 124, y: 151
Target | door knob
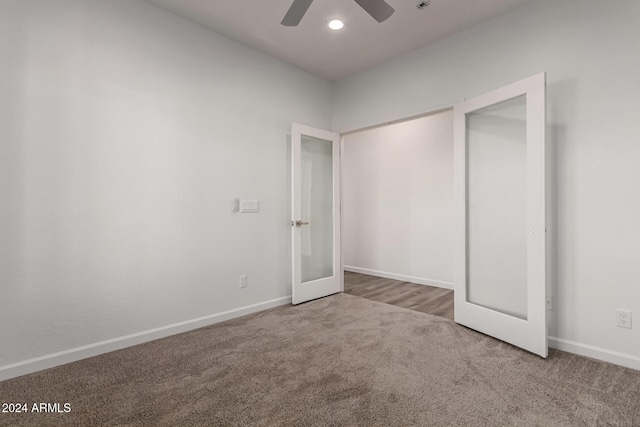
x: 299, y: 223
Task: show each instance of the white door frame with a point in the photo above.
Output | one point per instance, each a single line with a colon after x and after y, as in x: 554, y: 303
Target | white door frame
x: 530, y: 334
x: 302, y: 292
x: 537, y: 190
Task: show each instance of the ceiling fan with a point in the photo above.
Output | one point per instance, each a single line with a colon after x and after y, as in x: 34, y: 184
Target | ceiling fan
x: 378, y: 9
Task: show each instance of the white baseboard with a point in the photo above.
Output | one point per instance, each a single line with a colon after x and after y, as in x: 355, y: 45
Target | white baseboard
x: 78, y: 353
x: 401, y: 277
x: 83, y: 352
x: 617, y: 358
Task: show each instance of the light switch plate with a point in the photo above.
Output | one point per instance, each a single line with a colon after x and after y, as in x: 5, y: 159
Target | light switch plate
x: 249, y: 206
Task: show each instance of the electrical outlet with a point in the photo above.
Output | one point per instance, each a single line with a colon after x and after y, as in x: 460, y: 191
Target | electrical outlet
x: 549, y: 302
x: 624, y: 318
x: 243, y: 281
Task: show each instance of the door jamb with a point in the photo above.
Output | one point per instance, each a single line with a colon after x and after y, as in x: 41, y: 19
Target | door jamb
x: 430, y: 112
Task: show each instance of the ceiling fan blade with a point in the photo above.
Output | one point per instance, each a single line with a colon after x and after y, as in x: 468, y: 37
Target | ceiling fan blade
x: 379, y: 9
x: 296, y: 12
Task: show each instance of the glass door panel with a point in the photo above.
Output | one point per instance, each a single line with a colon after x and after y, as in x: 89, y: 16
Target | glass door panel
x: 317, y: 208
x: 497, y: 207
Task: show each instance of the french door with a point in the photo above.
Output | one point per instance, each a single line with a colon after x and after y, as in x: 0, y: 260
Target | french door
x: 499, y: 164
x: 315, y: 220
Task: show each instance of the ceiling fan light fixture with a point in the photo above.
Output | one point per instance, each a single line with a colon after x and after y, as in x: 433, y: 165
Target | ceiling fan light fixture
x: 379, y: 10
x: 336, y: 24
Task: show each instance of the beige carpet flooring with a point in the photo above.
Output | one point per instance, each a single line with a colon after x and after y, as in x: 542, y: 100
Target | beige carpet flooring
x: 337, y: 361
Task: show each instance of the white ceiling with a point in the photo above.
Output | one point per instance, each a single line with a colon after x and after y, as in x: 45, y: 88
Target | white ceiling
x: 329, y: 54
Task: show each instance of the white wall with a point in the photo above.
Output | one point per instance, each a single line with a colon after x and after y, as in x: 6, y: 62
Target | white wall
x: 589, y: 51
x: 124, y: 133
x: 397, y: 185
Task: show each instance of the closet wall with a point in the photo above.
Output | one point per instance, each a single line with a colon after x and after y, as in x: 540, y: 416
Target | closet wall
x: 398, y: 201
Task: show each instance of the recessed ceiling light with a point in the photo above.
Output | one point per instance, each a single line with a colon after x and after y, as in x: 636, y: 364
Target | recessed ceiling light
x: 336, y: 24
